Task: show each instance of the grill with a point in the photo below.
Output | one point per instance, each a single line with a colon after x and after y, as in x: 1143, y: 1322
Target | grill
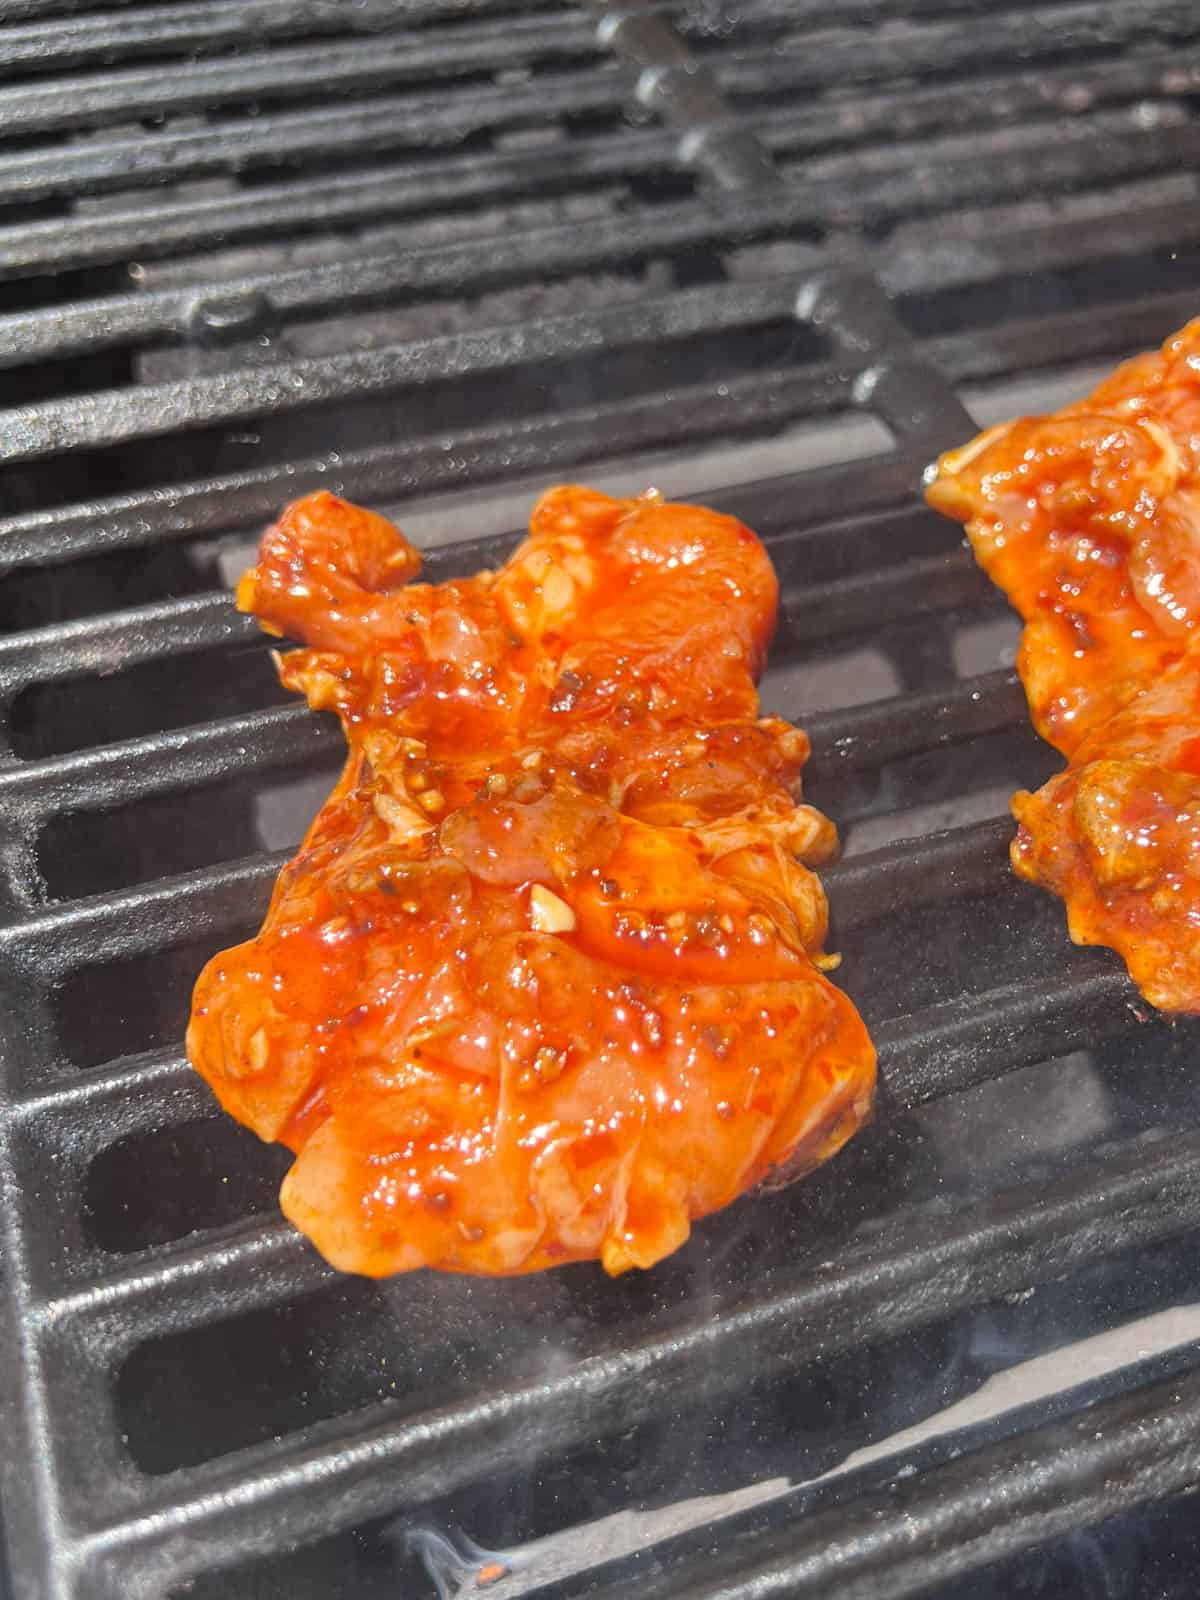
x: 431, y: 253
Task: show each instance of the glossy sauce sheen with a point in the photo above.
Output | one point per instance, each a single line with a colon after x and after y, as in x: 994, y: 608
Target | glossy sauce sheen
x: 1090, y: 521
x: 543, y: 982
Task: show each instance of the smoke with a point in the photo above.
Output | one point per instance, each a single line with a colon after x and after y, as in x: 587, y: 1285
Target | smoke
x: 458, y: 1569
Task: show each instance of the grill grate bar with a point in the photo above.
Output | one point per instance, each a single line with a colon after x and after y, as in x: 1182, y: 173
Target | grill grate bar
x: 99, y: 779
x: 768, y: 14
x: 1078, y: 336
x: 20, y: 10
x: 913, y: 182
x: 324, y: 134
x: 856, y: 737
x: 419, y: 12
x: 299, y: 73
x: 380, y: 194
x: 121, y: 639
x: 365, y: 280
x: 974, y: 1038
x: 915, y: 1269
x: 407, y: 12
x: 112, y: 416
x: 216, y: 25
x: 303, y: 205
x: 151, y: 410
x: 1017, y: 250
x: 250, y: 1266
x: 981, y: 105
x: 1026, y: 34
x: 31, y: 1541
x: 821, y: 611
x: 209, y: 903
x: 931, y: 870
x: 159, y: 1080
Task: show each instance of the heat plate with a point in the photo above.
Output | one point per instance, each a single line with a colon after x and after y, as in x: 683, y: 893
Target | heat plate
x: 432, y: 254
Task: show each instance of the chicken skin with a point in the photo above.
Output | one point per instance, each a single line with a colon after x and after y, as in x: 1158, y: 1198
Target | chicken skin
x: 544, y: 981
x: 1090, y: 521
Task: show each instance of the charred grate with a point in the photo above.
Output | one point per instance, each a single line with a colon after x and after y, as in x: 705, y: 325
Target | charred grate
x: 478, y: 243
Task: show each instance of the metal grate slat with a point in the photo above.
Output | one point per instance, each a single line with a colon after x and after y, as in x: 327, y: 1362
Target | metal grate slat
x: 95, y: 12
x: 885, y: 730
x: 368, y: 280
x: 159, y: 763
x: 298, y: 73
x: 213, y: 903
x: 364, y: 281
x: 964, y: 1042
x: 381, y: 193
x: 212, y: 25
x: 306, y: 205
x: 109, y: 418
x: 937, y: 49
x: 1008, y: 100
x: 97, y: 645
x: 285, y: 139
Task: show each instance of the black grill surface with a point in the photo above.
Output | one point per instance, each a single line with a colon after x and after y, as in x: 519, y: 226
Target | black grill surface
x: 434, y: 254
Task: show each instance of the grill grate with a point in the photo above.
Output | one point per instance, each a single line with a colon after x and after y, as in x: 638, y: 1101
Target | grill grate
x: 473, y: 243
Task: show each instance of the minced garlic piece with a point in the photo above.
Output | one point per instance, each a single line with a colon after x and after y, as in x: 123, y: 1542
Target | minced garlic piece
x: 548, y: 913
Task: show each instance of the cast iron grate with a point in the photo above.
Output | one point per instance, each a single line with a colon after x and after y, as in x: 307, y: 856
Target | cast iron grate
x: 412, y: 247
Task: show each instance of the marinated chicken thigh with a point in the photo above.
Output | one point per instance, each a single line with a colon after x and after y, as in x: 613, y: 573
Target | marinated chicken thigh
x: 544, y: 982
x: 1090, y: 521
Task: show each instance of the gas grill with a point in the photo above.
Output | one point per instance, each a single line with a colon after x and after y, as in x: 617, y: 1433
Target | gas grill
x: 435, y: 254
